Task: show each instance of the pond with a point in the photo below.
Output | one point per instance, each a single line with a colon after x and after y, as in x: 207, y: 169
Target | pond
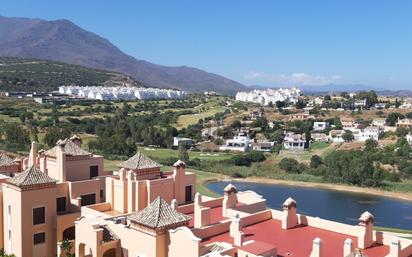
x: 345, y: 207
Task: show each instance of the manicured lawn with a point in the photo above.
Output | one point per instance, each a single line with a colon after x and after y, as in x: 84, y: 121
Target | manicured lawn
x: 165, y: 153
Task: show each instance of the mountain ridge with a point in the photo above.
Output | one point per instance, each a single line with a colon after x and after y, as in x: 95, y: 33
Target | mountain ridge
x: 64, y: 41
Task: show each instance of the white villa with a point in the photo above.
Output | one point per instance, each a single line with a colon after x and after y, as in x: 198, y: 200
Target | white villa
x: 121, y: 93
x: 267, y: 96
x: 294, y: 141
x: 241, y: 142
x: 369, y: 133
x: 320, y: 125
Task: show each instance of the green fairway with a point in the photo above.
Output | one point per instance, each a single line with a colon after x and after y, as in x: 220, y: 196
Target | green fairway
x: 157, y: 153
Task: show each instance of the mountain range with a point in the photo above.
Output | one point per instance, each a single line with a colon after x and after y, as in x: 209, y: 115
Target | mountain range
x: 62, y: 40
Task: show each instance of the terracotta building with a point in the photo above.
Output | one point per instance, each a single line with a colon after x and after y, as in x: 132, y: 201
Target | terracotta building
x: 140, y: 211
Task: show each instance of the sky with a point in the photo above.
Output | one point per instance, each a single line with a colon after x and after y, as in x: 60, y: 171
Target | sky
x: 270, y: 43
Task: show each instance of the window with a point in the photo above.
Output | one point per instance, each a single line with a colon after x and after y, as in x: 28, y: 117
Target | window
x: 39, y: 238
x: 88, y: 199
x: 101, y: 193
x: 94, y: 171
x: 39, y: 215
x: 61, y: 204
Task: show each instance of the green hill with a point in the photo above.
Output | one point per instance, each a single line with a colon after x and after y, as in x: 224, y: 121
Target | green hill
x: 21, y: 74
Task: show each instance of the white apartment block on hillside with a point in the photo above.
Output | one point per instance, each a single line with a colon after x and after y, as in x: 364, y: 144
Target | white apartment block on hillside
x: 290, y: 95
x: 121, y: 93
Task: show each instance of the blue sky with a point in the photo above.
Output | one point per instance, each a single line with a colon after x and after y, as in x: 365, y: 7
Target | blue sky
x: 254, y: 42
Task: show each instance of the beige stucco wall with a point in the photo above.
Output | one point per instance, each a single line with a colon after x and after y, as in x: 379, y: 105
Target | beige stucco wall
x: 183, y: 238
x: 21, y: 222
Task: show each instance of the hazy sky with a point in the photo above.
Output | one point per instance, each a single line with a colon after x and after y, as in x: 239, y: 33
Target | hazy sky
x: 254, y: 42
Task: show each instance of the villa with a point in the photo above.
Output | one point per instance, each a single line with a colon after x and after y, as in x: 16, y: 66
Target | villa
x: 294, y: 141
x: 379, y: 122
x: 320, y: 125
x: 336, y: 136
x: 241, y: 142
x: 404, y: 123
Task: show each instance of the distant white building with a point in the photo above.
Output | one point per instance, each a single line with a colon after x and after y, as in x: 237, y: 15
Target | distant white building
x: 241, y: 142
x: 182, y: 141
x: 290, y: 95
x: 379, y: 122
x: 121, y: 93
x: 319, y: 137
x: 263, y: 146
x: 407, y: 103
x: 336, y: 136
x: 320, y: 125
x: 369, y: 133
x: 294, y: 141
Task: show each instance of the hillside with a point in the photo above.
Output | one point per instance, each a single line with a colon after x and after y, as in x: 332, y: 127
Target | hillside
x: 61, y: 40
x: 18, y: 74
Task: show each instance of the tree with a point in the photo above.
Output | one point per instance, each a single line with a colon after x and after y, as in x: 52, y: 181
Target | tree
x: 183, y: 154
x: 54, y: 134
x: 327, y: 98
x: 236, y: 124
x: 280, y: 104
x: 371, y: 144
x: 16, y: 137
x: 300, y: 104
x: 315, y: 161
x: 4, y: 254
x: 290, y: 165
x: 393, y: 118
x: 348, y: 136
x: 66, y: 248
x: 370, y: 96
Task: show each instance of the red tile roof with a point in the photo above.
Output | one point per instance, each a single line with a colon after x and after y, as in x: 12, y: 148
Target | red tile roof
x: 258, y: 247
x: 297, y: 242
x: 215, y: 216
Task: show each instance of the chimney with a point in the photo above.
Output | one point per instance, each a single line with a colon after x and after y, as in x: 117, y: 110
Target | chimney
x: 348, y: 248
x: 229, y: 199
x: 174, y: 204
x: 33, y: 155
x: 202, y: 214
x: 61, y: 161
x: 395, y: 248
x: 236, y: 230
x: 316, y: 248
x: 179, y: 181
x: 76, y: 139
x: 365, y: 225
x: 289, y: 216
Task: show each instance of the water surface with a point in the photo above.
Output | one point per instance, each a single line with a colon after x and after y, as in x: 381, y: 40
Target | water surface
x: 329, y: 204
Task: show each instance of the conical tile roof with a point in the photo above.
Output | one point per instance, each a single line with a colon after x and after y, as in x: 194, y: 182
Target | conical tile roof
x: 139, y: 161
x: 68, y: 147
x: 31, y: 177
x: 159, y: 215
x: 6, y: 160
